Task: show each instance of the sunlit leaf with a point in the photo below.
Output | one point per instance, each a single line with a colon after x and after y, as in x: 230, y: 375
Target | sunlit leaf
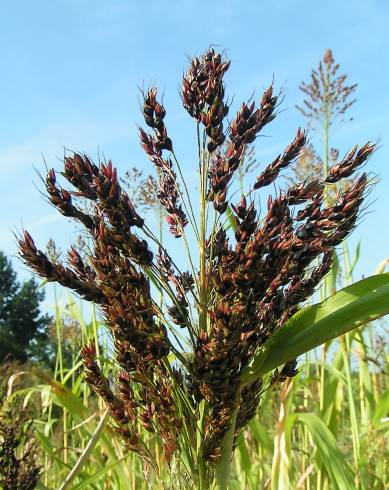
x: 349, y: 308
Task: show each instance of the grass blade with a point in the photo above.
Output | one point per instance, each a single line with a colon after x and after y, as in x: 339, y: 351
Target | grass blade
x: 349, y: 308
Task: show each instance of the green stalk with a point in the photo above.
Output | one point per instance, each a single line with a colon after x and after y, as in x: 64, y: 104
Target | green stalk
x: 160, y: 223
x: 202, y: 296
x: 326, y: 127
x: 346, y: 348
x: 191, y: 215
x: 305, y: 430
x: 345, y: 342
x: 203, y: 286
x: 223, y: 466
x: 86, y: 452
x: 376, y: 391
x: 328, y: 288
x: 322, y: 376
x: 365, y: 381
x: 58, y: 333
x: 241, y: 177
x: 94, y: 323
x: 58, y: 326
x: 347, y: 263
x: 202, y: 472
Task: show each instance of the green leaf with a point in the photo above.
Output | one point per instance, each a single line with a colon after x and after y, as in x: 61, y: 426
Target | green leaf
x: 310, y: 327
x: 69, y: 400
x: 356, y: 258
x: 245, y: 472
x: 41, y: 486
x: 261, y: 436
x: 327, y: 451
x: 231, y: 220
x: 331, y: 369
x: 49, y: 449
x: 382, y: 410
x: 330, y: 278
x: 234, y: 485
x: 99, y: 474
x: 45, y: 442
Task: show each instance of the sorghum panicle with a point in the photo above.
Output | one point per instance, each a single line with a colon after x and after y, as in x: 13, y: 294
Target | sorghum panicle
x: 256, y: 277
x: 168, y: 193
x: 327, y: 91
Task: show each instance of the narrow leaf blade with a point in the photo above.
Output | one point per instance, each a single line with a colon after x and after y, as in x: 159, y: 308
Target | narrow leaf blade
x: 349, y: 308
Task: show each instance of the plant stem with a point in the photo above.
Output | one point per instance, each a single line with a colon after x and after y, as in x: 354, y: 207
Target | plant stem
x: 326, y: 124
x: 203, y: 286
x: 202, y: 470
x: 327, y: 286
x: 345, y: 341
x: 86, y: 452
x: 223, y: 466
x: 191, y: 215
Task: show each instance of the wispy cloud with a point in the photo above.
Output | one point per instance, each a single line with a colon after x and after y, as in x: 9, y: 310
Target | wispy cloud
x: 45, y: 220
x: 81, y: 135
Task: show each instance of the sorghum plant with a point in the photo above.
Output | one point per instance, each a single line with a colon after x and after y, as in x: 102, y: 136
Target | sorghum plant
x: 248, y: 275
x: 327, y: 100
x: 142, y: 190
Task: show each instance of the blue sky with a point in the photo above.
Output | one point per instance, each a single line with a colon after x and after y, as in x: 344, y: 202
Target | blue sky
x: 70, y: 72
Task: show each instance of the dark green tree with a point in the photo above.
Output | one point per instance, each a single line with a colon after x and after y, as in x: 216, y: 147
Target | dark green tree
x: 23, y: 328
